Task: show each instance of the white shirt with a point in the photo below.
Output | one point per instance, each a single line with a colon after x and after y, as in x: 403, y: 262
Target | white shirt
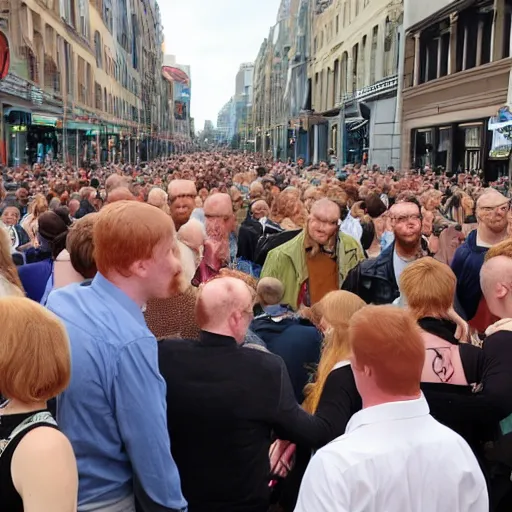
x: 394, y: 457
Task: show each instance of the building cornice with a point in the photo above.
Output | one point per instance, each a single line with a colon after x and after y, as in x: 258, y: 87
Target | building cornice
x: 499, y: 67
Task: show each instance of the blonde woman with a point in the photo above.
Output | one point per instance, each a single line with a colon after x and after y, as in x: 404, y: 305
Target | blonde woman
x: 10, y: 284
x: 31, y: 222
x: 37, y: 466
x: 332, y: 394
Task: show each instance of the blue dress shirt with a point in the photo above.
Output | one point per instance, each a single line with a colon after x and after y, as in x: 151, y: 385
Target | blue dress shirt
x: 114, y: 410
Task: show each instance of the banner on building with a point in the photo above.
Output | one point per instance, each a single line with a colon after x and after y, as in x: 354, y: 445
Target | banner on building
x: 5, y: 56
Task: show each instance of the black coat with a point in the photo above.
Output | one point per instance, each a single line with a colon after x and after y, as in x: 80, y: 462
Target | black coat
x: 85, y: 208
x: 374, y: 280
x: 223, y: 402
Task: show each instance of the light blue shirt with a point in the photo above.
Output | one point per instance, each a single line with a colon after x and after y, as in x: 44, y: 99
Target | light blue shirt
x: 114, y: 410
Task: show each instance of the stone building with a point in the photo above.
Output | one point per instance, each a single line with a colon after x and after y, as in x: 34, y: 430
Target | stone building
x: 456, y: 80
x: 84, y: 81
x: 353, y: 76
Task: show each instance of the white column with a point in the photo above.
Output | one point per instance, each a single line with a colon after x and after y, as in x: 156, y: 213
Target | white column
x: 465, y: 49
x: 452, y: 51
x: 479, y: 37
x: 417, y: 62
x: 350, y: 74
x: 316, y: 137
x: 439, y: 54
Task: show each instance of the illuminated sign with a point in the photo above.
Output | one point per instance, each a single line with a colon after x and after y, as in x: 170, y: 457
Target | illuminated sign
x: 19, y: 128
x: 44, y: 120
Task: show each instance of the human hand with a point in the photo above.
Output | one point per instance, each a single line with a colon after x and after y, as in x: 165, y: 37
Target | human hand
x: 281, y: 455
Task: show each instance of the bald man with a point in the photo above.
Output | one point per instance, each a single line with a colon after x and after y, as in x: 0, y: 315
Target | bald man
x: 120, y: 194
x: 224, y: 400
x: 158, y: 198
x: 316, y: 261
x: 491, y: 212
x: 182, y: 197
x: 116, y: 181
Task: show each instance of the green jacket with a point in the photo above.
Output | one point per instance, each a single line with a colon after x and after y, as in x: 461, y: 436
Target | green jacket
x: 288, y: 264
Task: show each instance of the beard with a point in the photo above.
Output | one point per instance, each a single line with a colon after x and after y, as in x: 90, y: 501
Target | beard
x: 408, y: 244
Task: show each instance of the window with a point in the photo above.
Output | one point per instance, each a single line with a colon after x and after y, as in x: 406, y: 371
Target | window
x: 345, y: 14
x: 373, y: 54
x: 315, y: 44
x: 98, y: 49
x: 355, y: 57
x: 107, y: 14
x: 98, y: 96
x: 362, y: 65
x: 68, y: 56
x: 83, y: 16
x: 357, y: 7
x: 337, y: 23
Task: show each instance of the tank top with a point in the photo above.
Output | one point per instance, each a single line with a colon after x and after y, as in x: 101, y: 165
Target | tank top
x: 10, y: 500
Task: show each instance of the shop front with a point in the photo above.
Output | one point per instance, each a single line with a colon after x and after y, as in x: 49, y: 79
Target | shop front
x: 445, y: 123
x: 457, y: 147
x: 16, y: 132
x: 42, y: 141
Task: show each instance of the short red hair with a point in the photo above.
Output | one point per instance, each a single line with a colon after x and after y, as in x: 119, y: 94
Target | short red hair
x: 126, y: 232
x: 388, y: 340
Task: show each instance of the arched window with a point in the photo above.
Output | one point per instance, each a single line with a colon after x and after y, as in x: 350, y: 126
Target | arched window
x: 98, y: 50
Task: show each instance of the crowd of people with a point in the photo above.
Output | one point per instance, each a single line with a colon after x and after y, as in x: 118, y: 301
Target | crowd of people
x: 219, y: 332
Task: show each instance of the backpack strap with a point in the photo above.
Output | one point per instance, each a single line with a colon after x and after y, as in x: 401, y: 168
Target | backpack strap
x: 38, y: 418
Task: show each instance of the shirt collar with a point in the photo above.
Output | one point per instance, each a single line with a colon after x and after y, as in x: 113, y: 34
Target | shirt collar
x: 216, y: 340
x: 104, y: 286
x: 390, y: 411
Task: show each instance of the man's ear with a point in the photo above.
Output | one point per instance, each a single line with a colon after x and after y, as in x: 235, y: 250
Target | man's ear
x: 501, y: 290
x: 140, y: 268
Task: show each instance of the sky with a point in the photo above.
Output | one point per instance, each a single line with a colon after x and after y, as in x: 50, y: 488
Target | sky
x: 214, y: 37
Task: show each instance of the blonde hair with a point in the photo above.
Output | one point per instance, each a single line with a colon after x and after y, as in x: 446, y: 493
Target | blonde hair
x: 428, y: 287
x: 336, y: 308
x: 35, y: 361
x: 7, y: 267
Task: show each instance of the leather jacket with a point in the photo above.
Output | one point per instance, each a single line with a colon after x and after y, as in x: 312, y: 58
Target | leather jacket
x: 374, y: 280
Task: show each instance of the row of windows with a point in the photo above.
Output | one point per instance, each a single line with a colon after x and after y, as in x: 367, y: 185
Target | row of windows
x: 353, y: 72
x: 117, y: 69
x: 351, y: 9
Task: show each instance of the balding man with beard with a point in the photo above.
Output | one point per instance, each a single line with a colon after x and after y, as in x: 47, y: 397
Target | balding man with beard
x: 223, y: 402
x: 492, y: 209
x: 317, y: 261
x: 182, y: 197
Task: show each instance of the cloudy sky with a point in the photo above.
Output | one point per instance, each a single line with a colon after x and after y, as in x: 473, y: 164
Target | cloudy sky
x: 214, y: 37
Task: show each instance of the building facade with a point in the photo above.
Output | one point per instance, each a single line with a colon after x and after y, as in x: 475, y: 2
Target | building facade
x: 226, y: 123
x: 455, y: 86
x: 326, y: 82
x: 179, y: 94
x: 354, y: 78
x: 84, y: 82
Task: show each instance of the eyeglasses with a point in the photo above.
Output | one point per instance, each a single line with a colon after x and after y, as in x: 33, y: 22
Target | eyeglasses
x: 402, y: 219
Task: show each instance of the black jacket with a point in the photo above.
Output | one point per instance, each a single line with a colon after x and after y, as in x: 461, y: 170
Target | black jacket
x: 374, y: 280
x: 223, y: 402
x: 85, y: 208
